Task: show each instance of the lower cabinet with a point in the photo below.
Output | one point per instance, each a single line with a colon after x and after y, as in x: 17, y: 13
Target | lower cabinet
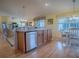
x: 40, y: 37
x: 45, y: 36
x: 21, y: 41
x: 26, y: 41
x: 49, y: 35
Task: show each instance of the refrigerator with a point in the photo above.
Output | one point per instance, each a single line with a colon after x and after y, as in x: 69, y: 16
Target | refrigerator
x: 31, y: 40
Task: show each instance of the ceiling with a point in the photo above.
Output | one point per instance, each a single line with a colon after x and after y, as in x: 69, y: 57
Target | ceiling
x: 32, y: 8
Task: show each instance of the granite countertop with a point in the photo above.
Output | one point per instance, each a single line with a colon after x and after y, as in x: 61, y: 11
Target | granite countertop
x: 34, y: 29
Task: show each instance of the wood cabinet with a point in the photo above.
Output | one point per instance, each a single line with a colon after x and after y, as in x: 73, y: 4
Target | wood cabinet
x: 49, y: 35
x: 40, y: 37
x: 21, y: 41
x: 45, y: 36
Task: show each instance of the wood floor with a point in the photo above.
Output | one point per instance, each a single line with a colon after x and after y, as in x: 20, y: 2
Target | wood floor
x: 54, y: 49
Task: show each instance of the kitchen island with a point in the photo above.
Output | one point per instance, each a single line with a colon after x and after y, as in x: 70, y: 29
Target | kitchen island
x: 26, y: 40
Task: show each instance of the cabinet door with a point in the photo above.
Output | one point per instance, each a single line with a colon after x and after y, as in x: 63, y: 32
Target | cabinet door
x: 49, y: 35
x: 45, y: 36
x: 40, y: 37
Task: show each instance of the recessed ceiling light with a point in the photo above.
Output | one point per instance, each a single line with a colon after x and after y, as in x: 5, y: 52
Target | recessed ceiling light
x: 46, y: 4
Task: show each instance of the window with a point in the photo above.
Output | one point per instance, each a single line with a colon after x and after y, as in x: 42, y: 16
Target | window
x: 66, y: 23
x: 40, y: 23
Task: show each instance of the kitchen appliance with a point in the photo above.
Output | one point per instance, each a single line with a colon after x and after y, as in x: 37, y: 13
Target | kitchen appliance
x: 31, y: 39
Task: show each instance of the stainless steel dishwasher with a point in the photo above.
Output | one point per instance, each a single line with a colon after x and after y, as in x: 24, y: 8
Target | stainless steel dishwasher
x: 31, y: 40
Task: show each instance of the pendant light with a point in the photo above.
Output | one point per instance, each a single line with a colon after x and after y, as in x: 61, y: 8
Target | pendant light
x: 74, y: 6
x: 74, y: 11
